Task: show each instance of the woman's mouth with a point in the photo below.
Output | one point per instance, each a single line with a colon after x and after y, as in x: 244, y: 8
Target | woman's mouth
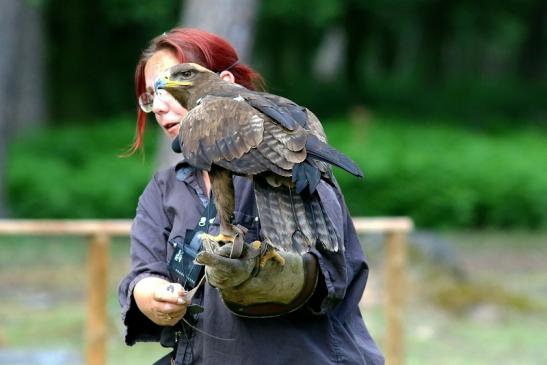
x: 168, y: 126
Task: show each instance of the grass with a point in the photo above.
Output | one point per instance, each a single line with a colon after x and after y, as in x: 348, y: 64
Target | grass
x: 487, y: 330
x: 43, y: 280
x: 42, y: 290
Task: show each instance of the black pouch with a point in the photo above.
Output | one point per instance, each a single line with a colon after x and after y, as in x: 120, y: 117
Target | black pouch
x: 182, y: 266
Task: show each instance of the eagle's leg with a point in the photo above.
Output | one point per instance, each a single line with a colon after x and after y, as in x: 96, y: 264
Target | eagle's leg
x: 223, y: 192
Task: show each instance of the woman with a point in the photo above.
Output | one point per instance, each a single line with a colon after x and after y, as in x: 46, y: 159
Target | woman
x: 317, y: 323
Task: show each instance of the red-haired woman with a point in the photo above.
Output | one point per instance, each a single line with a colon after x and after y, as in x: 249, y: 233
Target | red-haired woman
x: 305, y: 312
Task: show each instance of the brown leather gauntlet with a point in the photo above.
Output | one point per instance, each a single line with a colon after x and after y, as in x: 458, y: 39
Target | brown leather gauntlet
x: 276, y: 290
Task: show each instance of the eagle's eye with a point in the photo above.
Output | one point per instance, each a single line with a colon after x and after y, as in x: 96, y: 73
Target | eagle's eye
x: 187, y: 74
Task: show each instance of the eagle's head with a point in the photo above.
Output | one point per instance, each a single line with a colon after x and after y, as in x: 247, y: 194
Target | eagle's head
x: 187, y: 82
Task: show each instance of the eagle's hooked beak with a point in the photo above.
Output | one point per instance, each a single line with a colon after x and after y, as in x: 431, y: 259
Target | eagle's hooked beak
x: 164, y: 82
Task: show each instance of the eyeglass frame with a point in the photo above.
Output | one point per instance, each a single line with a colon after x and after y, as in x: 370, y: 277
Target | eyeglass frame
x: 147, y: 107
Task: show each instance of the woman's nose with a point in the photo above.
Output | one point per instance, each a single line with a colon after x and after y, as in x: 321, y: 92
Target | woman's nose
x: 159, y: 105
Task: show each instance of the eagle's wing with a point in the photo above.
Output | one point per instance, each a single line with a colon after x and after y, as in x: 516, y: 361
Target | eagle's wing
x: 230, y: 133
x: 289, y: 114
x: 289, y: 110
x: 293, y: 222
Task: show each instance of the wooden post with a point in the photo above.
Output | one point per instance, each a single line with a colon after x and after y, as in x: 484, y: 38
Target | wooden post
x: 395, y: 279
x: 99, y: 248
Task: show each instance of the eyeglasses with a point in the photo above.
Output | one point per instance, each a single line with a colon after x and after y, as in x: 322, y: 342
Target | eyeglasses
x: 146, y: 99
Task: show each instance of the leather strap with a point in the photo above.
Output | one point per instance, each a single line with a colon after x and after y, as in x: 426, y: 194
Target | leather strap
x: 272, y: 309
x: 237, y: 245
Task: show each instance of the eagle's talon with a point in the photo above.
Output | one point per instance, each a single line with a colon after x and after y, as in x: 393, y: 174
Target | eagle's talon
x: 271, y: 254
x: 220, y: 238
x: 255, y: 245
x: 224, y: 238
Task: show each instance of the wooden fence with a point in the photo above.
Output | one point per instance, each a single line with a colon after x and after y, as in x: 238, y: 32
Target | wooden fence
x: 101, y: 231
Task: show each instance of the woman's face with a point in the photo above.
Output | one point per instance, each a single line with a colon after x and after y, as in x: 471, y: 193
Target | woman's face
x: 167, y: 110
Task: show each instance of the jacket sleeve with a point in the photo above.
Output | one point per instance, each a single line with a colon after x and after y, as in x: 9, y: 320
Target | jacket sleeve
x: 343, y: 274
x: 149, y: 234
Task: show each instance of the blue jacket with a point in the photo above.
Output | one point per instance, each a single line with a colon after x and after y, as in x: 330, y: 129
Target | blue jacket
x: 332, y: 332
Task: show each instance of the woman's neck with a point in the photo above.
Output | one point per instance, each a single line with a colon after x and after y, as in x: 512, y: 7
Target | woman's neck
x: 207, y: 182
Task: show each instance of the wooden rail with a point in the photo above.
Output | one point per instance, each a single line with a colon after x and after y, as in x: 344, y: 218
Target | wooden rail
x: 100, y: 232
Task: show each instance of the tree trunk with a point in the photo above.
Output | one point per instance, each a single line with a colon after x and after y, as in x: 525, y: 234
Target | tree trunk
x: 9, y: 20
x: 21, y: 76
x: 230, y: 19
x: 29, y: 95
x: 329, y: 58
x: 532, y: 53
x: 22, y: 103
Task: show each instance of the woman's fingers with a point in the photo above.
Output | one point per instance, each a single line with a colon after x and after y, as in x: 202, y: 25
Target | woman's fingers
x: 169, y: 318
x: 171, y: 293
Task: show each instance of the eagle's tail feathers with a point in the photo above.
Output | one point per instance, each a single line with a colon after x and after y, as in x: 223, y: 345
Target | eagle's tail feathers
x: 305, y: 174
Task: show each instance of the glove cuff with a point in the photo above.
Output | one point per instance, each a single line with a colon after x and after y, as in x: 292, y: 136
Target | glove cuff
x: 275, y: 309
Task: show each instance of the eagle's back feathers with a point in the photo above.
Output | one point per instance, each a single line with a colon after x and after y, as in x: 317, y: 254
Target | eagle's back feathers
x: 276, y: 141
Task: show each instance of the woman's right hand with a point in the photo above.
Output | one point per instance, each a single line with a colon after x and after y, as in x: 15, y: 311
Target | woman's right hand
x: 163, y: 302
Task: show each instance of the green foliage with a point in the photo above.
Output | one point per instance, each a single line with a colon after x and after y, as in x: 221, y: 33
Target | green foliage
x: 93, y: 48
x: 147, y: 13
x: 468, y: 60
x: 441, y: 176
x: 75, y: 172
x: 445, y: 176
x: 324, y: 11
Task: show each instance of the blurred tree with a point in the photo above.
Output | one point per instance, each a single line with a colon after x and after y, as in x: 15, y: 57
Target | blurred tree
x: 21, y: 75
x: 329, y: 58
x: 29, y: 89
x: 230, y: 19
x: 532, y: 59
x: 8, y: 40
x: 460, y: 58
x: 93, y: 47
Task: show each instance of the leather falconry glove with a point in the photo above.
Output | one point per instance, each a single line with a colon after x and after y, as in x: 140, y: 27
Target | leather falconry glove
x: 253, y: 288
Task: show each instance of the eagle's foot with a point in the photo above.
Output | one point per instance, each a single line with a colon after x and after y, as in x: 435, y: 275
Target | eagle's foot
x: 269, y: 255
x: 224, y: 238
x: 228, y: 245
x: 255, y: 245
x: 220, y: 238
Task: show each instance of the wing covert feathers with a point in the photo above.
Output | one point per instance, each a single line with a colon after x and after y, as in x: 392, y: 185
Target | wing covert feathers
x: 234, y: 135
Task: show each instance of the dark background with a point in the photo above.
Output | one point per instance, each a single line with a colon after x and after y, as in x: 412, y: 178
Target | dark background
x: 442, y: 103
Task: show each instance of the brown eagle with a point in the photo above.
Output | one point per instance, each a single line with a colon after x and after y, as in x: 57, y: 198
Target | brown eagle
x: 280, y: 145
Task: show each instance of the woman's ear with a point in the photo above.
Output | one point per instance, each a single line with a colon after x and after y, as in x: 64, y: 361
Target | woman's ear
x: 227, y: 76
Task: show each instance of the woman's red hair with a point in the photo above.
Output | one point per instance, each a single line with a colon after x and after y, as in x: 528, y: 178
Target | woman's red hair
x: 198, y: 46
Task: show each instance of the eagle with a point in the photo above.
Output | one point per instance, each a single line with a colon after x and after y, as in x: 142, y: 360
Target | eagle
x: 231, y: 130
